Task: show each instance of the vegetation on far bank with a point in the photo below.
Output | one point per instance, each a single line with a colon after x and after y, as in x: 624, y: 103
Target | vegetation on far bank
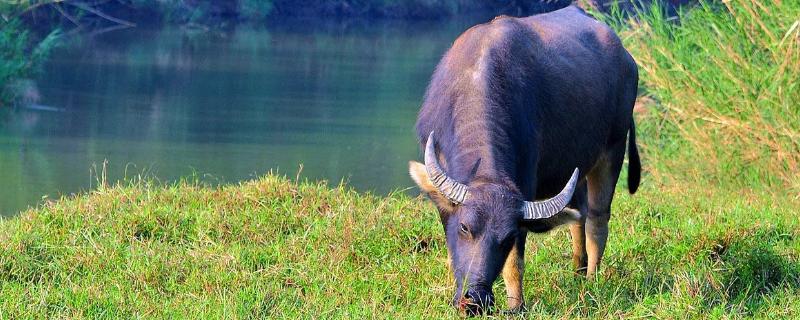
x: 232, y: 11
x: 21, y: 55
x: 29, y: 28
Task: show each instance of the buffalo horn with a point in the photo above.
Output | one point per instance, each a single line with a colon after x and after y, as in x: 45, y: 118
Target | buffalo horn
x: 451, y: 189
x: 544, y: 209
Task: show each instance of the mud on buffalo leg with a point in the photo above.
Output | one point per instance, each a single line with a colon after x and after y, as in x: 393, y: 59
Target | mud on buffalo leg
x: 601, y: 182
x: 513, y: 272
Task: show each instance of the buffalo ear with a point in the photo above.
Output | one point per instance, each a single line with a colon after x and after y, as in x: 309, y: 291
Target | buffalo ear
x: 420, y: 175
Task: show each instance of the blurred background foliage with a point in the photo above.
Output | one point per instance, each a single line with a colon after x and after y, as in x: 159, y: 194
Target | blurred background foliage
x: 30, y: 29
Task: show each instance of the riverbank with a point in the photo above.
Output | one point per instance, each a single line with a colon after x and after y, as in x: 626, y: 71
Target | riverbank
x: 277, y: 248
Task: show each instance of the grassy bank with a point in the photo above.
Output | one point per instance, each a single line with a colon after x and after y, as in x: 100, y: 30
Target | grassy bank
x: 275, y: 248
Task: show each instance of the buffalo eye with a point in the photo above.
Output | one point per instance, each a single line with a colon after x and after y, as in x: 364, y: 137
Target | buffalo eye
x: 463, y: 229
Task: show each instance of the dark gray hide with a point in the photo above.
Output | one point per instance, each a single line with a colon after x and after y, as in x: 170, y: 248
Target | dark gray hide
x: 515, y: 106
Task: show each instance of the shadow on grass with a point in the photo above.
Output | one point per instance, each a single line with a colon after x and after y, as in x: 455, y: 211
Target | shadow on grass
x: 724, y: 271
x: 753, y: 270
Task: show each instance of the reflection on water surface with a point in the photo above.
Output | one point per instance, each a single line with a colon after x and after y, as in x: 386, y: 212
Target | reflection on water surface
x: 341, y: 99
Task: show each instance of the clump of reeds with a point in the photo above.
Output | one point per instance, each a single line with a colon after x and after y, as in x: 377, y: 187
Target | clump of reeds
x: 726, y: 77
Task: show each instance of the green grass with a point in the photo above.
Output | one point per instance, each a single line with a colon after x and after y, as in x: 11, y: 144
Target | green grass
x: 276, y: 248
x: 724, y: 76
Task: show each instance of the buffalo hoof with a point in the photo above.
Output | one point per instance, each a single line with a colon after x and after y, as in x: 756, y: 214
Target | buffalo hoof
x: 515, y: 311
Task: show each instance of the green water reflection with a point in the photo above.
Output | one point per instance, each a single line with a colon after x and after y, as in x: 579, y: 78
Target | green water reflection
x: 341, y: 99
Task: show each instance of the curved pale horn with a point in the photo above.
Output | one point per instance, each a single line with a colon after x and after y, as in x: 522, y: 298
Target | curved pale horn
x: 451, y: 189
x: 547, y: 208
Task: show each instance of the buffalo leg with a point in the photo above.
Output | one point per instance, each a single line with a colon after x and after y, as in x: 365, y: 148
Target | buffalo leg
x: 513, y: 271
x: 578, y: 237
x: 601, y: 182
x: 576, y: 230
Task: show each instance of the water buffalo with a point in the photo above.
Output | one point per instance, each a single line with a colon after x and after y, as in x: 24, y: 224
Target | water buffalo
x: 516, y: 109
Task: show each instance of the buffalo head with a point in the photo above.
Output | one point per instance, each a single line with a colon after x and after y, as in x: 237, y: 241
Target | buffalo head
x: 482, y: 221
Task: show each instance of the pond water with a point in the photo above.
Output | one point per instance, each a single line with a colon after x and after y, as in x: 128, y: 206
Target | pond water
x: 339, y: 98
